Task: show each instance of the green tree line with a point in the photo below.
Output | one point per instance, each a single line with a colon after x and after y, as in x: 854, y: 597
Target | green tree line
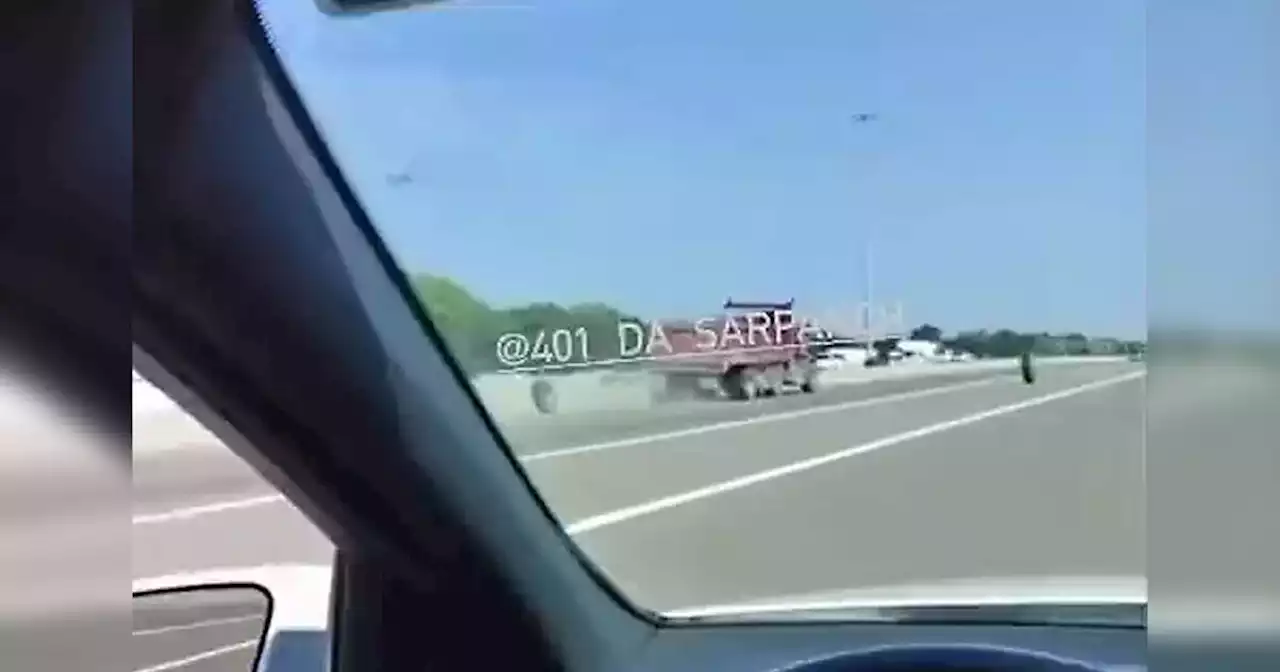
x: 472, y: 328
x: 1010, y: 343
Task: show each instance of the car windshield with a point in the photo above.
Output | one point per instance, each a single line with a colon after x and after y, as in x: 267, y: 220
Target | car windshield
x: 608, y: 210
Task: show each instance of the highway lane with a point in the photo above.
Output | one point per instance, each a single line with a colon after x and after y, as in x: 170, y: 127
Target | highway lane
x: 1050, y: 497
x: 601, y: 481
x: 582, y: 484
x: 1049, y: 489
x: 1057, y: 487
x: 163, y: 481
x: 1213, y: 487
x: 200, y: 508
x: 208, y: 631
x: 1048, y: 479
x: 531, y: 436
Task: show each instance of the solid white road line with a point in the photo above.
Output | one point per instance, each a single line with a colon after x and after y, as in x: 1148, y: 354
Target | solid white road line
x: 204, y: 509
x: 213, y: 622
x: 631, y: 512
x: 746, y: 422
x: 232, y: 505
x: 203, y: 655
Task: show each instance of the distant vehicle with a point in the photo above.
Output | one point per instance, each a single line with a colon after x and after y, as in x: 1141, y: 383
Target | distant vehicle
x: 926, y: 350
x: 752, y: 350
x: 931, y: 351
x: 880, y: 358
x: 829, y: 358
x: 896, y: 350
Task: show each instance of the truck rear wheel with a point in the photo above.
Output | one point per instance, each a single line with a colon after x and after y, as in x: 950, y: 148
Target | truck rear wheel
x: 809, y: 378
x: 772, y: 381
x: 740, y: 384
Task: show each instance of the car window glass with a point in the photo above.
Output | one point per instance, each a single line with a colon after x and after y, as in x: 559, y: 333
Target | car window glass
x: 608, y: 211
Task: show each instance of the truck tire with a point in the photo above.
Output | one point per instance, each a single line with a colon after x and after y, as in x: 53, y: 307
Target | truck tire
x: 809, y: 378
x: 772, y: 381
x: 544, y: 396
x: 740, y: 384
x: 1027, y: 368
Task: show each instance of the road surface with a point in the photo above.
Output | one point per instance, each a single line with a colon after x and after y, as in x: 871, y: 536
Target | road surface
x: 216, y: 630
x: 900, y: 481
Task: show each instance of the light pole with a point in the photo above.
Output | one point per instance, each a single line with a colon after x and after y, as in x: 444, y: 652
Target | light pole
x: 861, y: 119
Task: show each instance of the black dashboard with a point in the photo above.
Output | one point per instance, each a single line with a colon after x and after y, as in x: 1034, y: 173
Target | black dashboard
x: 898, y: 648
x: 841, y: 648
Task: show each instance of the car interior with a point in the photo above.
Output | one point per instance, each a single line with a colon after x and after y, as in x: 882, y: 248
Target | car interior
x: 261, y: 288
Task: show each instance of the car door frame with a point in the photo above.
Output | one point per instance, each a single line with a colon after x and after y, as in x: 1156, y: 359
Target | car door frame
x: 262, y: 289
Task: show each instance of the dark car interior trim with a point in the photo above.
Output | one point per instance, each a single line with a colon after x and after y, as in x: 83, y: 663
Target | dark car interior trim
x: 342, y: 399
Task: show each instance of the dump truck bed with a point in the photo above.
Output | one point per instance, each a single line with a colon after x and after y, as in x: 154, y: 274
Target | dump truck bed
x: 761, y: 335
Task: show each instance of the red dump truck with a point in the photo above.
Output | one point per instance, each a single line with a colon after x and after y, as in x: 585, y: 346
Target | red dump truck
x: 750, y: 350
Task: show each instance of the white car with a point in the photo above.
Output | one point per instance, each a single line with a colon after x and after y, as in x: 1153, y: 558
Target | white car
x: 836, y: 358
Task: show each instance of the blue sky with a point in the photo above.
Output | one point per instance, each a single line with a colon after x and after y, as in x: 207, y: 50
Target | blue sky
x: 1214, y: 157
x: 661, y: 155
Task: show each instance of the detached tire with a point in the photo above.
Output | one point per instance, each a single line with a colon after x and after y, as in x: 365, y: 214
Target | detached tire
x: 544, y: 396
x: 1028, y: 368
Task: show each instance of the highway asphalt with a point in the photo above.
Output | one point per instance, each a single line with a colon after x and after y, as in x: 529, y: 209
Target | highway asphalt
x: 211, y: 630
x: 897, y: 481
